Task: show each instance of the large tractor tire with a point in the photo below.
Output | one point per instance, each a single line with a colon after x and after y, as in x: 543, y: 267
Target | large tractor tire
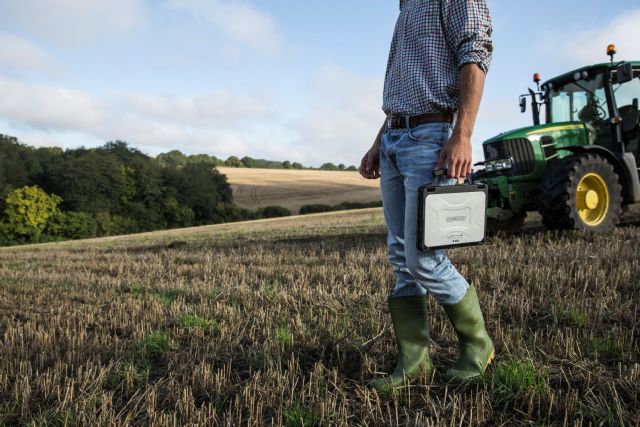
x: 581, y: 192
x: 509, y: 226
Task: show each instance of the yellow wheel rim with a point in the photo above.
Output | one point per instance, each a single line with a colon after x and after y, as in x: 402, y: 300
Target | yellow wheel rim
x: 592, y: 199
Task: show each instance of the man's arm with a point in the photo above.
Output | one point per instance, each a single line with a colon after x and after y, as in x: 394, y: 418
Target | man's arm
x: 370, y: 164
x: 458, y: 151
x: 467, y: 29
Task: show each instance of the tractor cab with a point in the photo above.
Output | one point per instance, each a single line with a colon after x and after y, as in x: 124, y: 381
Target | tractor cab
x: 603, y: 97
x: 579, y: 167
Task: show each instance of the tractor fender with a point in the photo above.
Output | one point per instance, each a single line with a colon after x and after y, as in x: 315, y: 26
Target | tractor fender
x: 630, y: 184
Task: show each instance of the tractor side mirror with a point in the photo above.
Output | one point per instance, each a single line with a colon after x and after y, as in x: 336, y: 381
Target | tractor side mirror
x: 523, y: 104
x: 624, y: 73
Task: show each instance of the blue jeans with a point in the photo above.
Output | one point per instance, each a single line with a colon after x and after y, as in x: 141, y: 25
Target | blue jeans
x: 407, y: 160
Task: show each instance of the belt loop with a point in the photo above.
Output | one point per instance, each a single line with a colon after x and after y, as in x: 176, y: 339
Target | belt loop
x: 407, y: 120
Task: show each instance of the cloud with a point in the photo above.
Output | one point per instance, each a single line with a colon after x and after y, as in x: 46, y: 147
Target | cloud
x: 343, y: 119
x: 18, y: 56
x: 48, y: 107
x: 222, y: 124
x: 73, y: 21
x: 577, y: 48
x: 339, y: 123
x: 219, y: 109
x: 239, y: 22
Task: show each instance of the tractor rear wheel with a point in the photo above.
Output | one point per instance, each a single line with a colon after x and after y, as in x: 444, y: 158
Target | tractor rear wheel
x: 581, y: 192
x: 509, y: 226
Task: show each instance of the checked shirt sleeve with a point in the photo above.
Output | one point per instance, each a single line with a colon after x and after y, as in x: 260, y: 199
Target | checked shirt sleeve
x: 467, y: 28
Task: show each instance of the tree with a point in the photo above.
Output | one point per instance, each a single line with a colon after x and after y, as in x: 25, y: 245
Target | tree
x: 177, y: 215
x: 91, y: 181
x: 39, y: 163
x: 122, y: 150
x: 248, y: 162
x: 172, y: 159
x: 273, y: 212
x: 72, y: 225
x: 13, y: 169
x: 200, y: 188
x: 213, y: 161
x: 328, y: 167
x: 28, y: 209
x: 286, y: 164
x: 233, y: 162
x: 315, y: 208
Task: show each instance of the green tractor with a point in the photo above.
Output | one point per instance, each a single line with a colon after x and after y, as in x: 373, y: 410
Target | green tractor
x: 579, y: 168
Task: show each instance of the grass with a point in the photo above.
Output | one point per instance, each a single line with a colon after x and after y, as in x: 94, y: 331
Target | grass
x: 51, y: 418
x: 284, y: 322
x: 166, y: 298
x: 513, y: 379
x: 572, y: 316
x: 193, y: 321
x: 284, y: 336
x: 153, y: 347
x: 130, y: 373
x: 299, y: 416
x: 608, y: 348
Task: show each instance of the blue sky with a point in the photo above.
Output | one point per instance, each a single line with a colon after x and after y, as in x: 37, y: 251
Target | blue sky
x: 277, y: 79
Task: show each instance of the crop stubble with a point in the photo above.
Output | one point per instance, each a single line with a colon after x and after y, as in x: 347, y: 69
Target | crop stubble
x: 284, y: 321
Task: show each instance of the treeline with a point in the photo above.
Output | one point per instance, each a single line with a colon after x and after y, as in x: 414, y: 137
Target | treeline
x: 50, y: 194
x: 178, y: 159
x: 319, y: 208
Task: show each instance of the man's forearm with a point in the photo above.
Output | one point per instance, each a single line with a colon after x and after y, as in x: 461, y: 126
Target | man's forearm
x: 379, y: 137
x: 471, y: 84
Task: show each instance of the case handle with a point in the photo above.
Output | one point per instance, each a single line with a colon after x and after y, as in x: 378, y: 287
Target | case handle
x: 438, y: 174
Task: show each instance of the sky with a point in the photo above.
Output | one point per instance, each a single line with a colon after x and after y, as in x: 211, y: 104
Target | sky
x: 276, y: 79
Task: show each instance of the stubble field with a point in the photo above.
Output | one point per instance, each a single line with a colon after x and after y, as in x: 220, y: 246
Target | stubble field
x: 257, y: 188
x: 283, y: 322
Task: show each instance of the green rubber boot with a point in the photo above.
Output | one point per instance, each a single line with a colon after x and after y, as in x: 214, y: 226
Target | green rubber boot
x: 475, y: 347
x: 410, y: 324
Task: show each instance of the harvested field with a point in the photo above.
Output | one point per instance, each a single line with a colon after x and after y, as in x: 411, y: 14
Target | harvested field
x: 292, y: 189
x: 283, y: 322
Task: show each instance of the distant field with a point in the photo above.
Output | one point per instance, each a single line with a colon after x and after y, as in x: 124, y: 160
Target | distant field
x: 282, y: 322
x: 292, y: 189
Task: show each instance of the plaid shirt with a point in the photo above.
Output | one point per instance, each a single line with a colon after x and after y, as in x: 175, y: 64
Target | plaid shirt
x: 432, y: 40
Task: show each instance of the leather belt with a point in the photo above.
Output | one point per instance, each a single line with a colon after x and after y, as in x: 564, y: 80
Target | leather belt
x: 400, y: 122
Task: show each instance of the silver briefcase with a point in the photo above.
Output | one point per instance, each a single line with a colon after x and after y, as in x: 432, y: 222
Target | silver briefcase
x: 451, y: 215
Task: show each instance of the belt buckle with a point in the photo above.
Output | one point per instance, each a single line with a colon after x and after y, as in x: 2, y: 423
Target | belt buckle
x: 400, y: 120
x: 393, y: 120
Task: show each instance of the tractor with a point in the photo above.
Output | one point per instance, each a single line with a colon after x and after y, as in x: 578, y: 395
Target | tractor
x: 578, y: 169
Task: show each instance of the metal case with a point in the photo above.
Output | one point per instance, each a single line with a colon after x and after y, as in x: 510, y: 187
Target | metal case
x: 451, y: 215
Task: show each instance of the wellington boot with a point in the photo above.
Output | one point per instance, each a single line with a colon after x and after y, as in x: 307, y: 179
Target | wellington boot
x: 410, y: 324
x: 475, y: 347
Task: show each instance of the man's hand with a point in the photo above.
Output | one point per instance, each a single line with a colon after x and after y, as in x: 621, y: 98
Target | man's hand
x: 370, y: 164
x: 457, y: 151
x: 457, y: 154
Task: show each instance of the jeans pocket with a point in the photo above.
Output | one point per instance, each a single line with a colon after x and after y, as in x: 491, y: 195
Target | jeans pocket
x: 430, y: 133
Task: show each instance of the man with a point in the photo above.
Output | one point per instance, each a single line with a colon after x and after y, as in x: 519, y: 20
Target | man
x: 440, y: 53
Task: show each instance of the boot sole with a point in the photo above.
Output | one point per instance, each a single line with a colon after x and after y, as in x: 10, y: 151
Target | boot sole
x: 491, y: 357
